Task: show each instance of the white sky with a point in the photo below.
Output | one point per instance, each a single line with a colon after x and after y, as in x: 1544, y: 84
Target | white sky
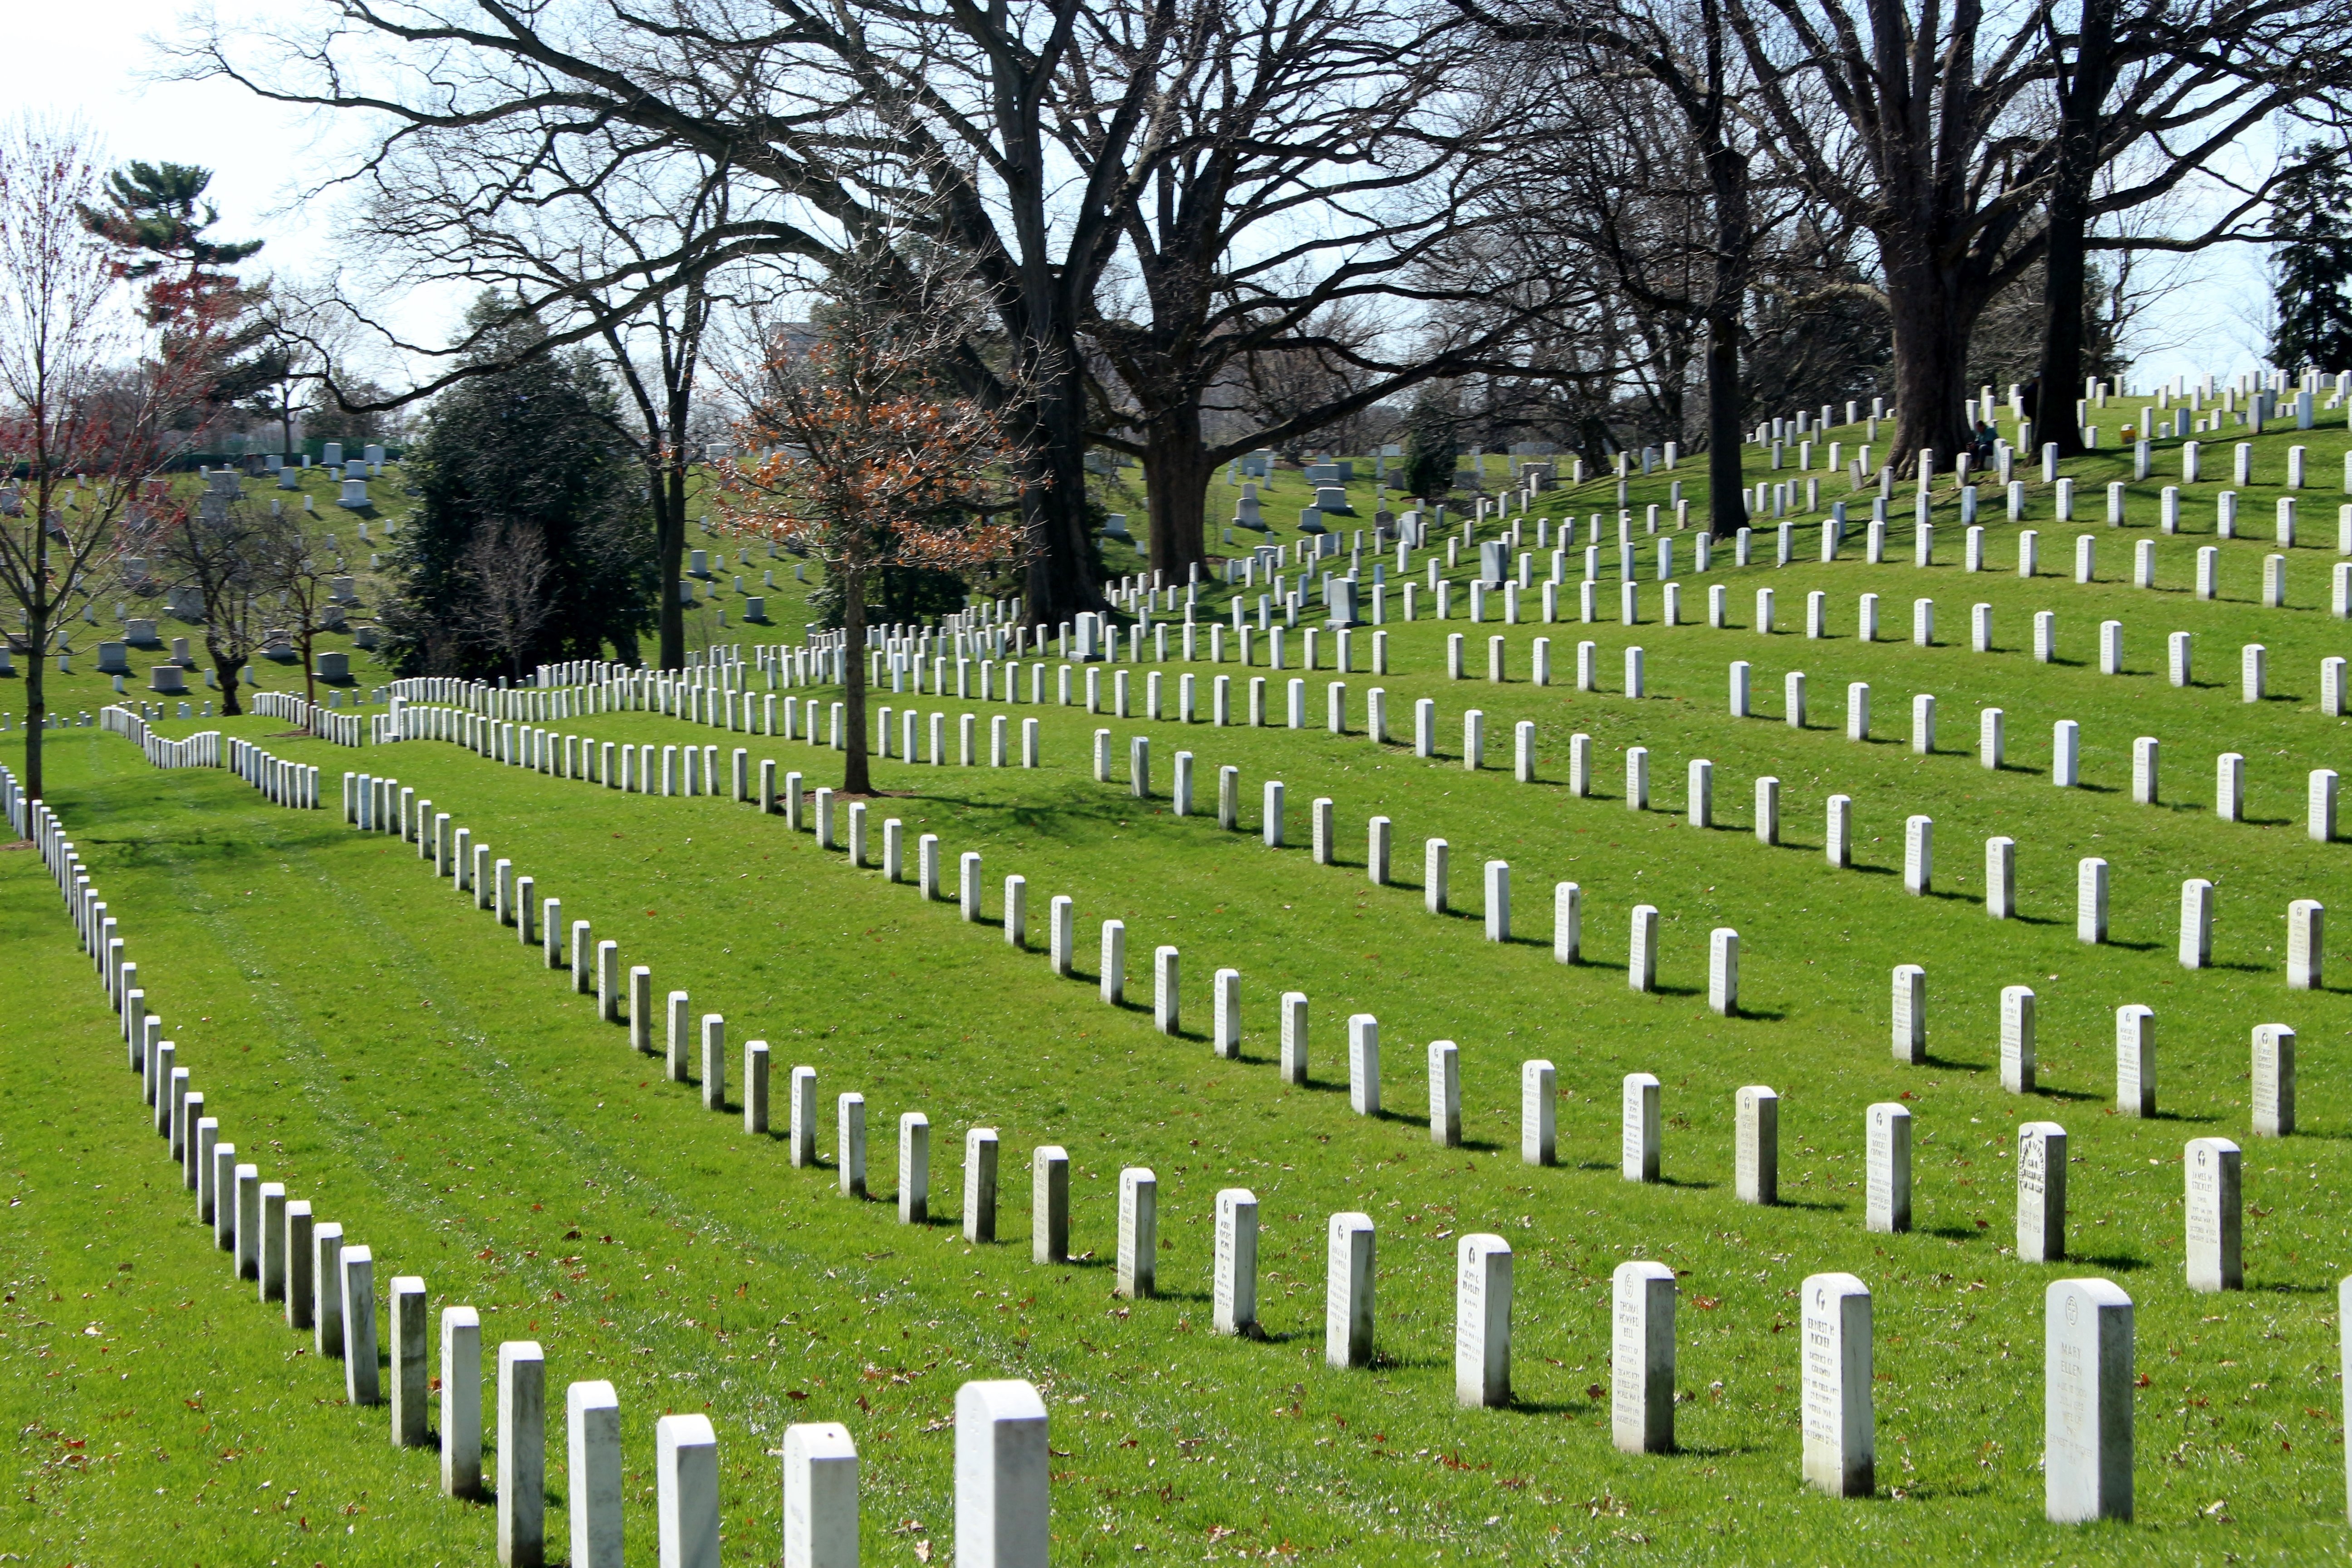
x: 263, y: 155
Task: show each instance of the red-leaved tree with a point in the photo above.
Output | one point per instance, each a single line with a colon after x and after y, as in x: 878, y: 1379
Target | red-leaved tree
x: 91, y: 395
x: 874, y: 461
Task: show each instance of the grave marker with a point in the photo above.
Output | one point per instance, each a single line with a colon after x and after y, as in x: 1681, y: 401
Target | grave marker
x: 1364, y: 1064
x: 2213, y: 1221
x: 2086, y: 1402
x: 595, y: 1481
x: 2273, y: 1075
x: 2017, y: 1055
x: 1642, y: 1358
x: 1840, y: 1427
x: 1001, y: 1476
x: 1234, y: 1285
x: 1348, y: 1292
x: 820, y: 1481
x: 914, y: 1168
x: 522, y: 1453
x: 1538, y: 1113
x: 1886, y: 1175
x: 1482, y: 1321
x: 461, y: 1403
x: 686, y: 1485
x: 1138, y: 1234
x: 1756, y: 1144
x: 2041, y: 1191
x: 980, y: 1184
x: 1638, y: 1131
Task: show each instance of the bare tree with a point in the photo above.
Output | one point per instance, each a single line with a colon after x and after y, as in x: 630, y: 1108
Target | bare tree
x: 1310, y: 158
x: 593, y: 224
x: 509, y: 570
x: 88, y: 395
x: 221, y: 551
x: 304, y: 591
x: 1968, y: 144
x: 876, y: 462
x: 1688, y: 61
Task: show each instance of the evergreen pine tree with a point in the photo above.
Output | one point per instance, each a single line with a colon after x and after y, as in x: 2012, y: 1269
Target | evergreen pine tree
x: 531, y: 541
x: 2312, y: 219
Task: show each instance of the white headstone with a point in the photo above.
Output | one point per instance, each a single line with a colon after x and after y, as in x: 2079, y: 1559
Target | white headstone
x: 1887, y: 1168
x: 1482, y: 1321
x: 2086, y: 1411
x: 1138, y: 1234
x: 1638, y: 1136
x: 1538, y: 1113
x: 2273, y: 1080
x: 820, y: 1473
x: 1348, y: 1292
x: 1642, y: 1358
x: 2213, y: 1220
x: 1001, y: 1476
x: 2041, y: 1191
x: 1756, y: 1145
x: 1234, y: 1307
x: 1840, y: 1427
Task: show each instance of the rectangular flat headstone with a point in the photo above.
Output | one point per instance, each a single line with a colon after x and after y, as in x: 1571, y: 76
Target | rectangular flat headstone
x: 1756, y: 1144
x: 2041, y: 1191
x: 1482, y: 1321
x: 2086, y: 1411
x: 1886, y: 1173
x: 820, y: 1465
x: 1841, y: 1439
x: 1348, y: 1292
x: 2214, y: 1220
x: 1138, y: 1234
x: 1001, y: 1476
x: 1642, y: 1358
x: 1234, y: 1286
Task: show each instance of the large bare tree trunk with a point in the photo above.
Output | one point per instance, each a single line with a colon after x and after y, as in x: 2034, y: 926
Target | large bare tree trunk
x: 854, y: 776
x: 230, y: 670
x: 36, y: 701
x: 669, y: 544
x: 1053, y: 503
x: 1176, y: 475
x: 1932, y: 320
x: 1726, y: 481
x: 2080, y: 99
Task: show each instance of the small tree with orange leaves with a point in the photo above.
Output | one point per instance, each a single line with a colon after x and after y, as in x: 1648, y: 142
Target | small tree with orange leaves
x: 875, y: 461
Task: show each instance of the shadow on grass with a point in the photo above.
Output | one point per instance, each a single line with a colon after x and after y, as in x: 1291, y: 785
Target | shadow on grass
x: 2112, y: 1262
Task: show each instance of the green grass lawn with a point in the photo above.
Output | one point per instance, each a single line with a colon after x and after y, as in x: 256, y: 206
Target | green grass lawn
x: 425, y: 1082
